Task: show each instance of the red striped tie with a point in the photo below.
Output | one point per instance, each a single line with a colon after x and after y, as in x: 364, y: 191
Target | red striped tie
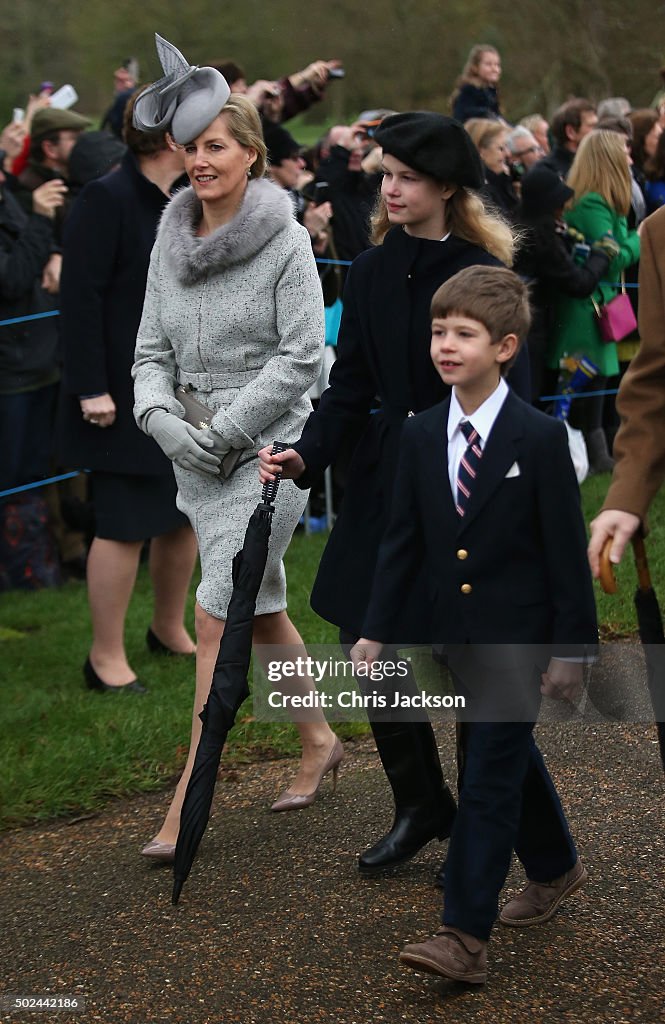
x: 468, y: 467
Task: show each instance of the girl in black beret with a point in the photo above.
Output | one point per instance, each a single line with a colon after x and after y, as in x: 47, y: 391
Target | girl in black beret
x: 428, y: 223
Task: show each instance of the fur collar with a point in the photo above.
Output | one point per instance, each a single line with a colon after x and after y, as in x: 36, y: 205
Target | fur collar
x: 265, y: 210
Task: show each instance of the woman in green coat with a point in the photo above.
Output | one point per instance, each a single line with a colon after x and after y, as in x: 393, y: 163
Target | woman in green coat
x: 600, y: 178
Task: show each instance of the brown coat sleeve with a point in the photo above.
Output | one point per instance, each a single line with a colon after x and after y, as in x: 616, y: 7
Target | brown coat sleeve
x: 639, y: 448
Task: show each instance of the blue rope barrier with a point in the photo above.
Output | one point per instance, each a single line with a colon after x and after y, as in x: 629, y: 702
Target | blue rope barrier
x: 42, y: 483
x: 33, y: 316
x: 578, y: 394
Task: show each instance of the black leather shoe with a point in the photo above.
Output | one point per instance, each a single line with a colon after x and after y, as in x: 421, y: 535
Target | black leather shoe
x: 93, y: 682
x: 155, y: 646
x: 413, y: 828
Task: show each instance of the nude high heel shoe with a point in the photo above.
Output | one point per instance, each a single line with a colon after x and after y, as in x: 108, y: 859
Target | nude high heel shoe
x: 294, y: 801
x: 159, y: 851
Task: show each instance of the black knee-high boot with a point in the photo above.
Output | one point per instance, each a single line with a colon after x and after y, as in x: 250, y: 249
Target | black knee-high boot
x: 424, y: 806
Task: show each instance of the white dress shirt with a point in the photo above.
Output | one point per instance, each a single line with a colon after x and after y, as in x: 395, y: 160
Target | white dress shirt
x: 482, y: 420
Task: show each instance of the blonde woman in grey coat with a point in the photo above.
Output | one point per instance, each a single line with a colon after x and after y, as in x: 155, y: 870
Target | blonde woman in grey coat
x: 233, y: 308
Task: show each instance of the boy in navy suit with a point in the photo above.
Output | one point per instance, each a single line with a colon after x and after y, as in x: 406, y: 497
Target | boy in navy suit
x: 500, y: 527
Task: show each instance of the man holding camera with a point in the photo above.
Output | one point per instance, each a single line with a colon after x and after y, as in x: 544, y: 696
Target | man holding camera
x: 350, y: 166
x: 53, y: 135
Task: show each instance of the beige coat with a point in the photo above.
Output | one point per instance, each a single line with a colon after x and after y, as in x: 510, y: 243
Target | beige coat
x: 639, y: 448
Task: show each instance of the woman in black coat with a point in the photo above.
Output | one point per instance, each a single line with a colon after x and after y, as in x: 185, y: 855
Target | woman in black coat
x: 109, y: 237
x: 546, y: 257
x: 427, y: 226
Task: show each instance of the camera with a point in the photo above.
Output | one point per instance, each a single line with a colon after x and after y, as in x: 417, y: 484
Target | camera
x: 316, y: 192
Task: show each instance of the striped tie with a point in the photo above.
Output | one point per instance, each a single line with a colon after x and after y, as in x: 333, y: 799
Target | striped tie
x: 468, y: 467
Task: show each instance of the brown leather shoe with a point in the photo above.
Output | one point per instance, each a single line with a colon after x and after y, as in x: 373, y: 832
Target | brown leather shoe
x: 539, y: 901
x: 450, y: 953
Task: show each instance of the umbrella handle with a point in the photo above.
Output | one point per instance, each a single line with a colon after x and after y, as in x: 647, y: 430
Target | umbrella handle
x: 607, y: 578
x: 641, y: 563
x: 270, y: 489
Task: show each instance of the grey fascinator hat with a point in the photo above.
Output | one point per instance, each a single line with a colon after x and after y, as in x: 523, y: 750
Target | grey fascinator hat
x: 185, y: 101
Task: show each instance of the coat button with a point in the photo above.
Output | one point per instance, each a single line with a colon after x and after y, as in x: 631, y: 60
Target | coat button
x: 462, y: 554
x: 466, y: 588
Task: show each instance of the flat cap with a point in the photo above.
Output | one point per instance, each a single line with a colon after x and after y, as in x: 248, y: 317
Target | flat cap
x: 51, y: 119
x: 432, y: 144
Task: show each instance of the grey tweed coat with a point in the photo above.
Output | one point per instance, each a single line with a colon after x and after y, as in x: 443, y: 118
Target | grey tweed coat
x: 237, y: 314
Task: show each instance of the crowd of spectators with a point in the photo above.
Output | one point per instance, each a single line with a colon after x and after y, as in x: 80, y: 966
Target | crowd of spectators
x: 541, y: 175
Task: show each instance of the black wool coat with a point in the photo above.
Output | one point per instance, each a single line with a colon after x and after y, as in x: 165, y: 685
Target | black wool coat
x: 108, y: 239
x: 476, y: 101
x: 545, y: 258
x: 28, y: 350
x: 383, y: 350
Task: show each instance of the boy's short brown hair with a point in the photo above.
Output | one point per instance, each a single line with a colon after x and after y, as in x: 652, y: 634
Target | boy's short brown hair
x: 494, y: 296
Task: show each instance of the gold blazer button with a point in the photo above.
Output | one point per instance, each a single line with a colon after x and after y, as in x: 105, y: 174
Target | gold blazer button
x: 462, y: 554
x: 466, y: 588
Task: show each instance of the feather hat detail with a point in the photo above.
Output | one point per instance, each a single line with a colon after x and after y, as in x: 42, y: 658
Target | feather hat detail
x: 185, y: 101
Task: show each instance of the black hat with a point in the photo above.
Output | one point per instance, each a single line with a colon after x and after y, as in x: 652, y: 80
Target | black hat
x: 280, y: 143
x: 93, y: 155
x: 433, y: 144
x: 543, y: 191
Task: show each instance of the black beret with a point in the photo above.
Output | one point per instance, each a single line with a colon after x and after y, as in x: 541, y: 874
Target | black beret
x: 543, y: 191
x: 280, y: 144
x: 432, y: 144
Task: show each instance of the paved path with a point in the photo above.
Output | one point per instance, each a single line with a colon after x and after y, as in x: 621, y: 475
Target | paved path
x: 275, y: 927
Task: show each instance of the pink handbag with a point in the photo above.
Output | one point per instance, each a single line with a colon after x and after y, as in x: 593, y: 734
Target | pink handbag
x: 616, y: 318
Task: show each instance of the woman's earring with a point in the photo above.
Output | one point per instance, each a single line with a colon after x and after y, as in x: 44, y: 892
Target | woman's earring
x: 249, y: 172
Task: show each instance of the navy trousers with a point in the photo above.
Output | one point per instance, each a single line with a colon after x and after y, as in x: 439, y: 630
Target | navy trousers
x: 507, y: 802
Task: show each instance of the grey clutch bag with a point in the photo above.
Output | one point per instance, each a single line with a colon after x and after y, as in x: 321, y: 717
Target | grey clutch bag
x: 200, y: 416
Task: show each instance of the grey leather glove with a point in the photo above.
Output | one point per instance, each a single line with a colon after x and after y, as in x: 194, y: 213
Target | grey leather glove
x: 183, y: 443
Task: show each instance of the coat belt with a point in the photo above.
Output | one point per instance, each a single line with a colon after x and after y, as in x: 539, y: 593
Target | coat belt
x: 214, y: 381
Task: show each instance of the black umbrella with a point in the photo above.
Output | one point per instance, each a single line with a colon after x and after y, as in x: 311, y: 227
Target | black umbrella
x: 229, y: 682
x: 650, y: 627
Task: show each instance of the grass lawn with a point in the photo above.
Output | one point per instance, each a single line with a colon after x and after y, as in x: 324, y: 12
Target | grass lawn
x: 67, y: 751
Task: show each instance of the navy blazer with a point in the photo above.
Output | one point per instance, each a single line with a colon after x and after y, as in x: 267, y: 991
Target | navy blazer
x: 514, y: 568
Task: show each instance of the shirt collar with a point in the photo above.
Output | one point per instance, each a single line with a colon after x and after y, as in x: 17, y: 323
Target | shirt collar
x: 483, y: 418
